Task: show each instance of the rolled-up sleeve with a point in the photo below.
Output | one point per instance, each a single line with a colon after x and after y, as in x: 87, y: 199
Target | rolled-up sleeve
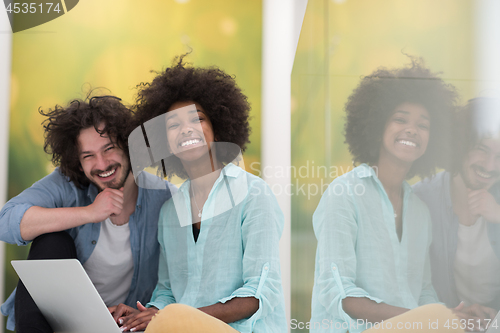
x: 335, y: 226
x: 262, y: 225
x: 52, y: 191
x: 10, y: 221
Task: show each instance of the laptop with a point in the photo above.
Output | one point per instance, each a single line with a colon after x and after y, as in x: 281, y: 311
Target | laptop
x: 66, y: 296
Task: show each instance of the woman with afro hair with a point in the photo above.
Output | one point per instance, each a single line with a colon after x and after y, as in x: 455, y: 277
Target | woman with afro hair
x: 372, y: 259
x: 219, y: 268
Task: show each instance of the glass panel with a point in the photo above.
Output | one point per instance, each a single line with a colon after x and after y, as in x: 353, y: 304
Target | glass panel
x: 341, y: 42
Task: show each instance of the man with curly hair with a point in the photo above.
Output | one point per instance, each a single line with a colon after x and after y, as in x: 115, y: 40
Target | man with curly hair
x: 465, y: 210
x: 89, y: 208
x: 219, y: 267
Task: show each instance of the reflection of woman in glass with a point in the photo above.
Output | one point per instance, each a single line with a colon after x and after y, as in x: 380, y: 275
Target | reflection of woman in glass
x: 373, y: 233
x: 219, y: 234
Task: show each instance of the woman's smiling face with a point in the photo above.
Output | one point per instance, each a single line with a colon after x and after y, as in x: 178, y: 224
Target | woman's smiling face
x: 406, y: 133
x: 189, y: 130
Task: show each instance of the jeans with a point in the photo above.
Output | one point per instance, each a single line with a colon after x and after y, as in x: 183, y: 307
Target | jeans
x: 57, y: 245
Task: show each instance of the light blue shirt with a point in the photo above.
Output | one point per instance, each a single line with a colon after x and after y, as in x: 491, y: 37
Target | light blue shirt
x: 54, y: 191
x: 359, y: 253
x: 236, y: 255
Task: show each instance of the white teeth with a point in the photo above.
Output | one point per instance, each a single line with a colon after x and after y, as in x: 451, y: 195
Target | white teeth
x: 484, y: 175
x: 408, y: 143
x: 190, y: 142
x: 107, y: 174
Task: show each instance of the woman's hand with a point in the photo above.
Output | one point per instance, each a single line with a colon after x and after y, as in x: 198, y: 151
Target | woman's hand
x: 136, y: 320
x: 121, y: 310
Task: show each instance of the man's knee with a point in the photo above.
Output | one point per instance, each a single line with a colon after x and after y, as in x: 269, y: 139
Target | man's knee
x: 56, y: 245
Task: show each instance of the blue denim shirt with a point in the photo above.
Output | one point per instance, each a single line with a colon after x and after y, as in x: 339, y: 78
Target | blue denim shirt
x: 54, y: 191
x: 435, y: 192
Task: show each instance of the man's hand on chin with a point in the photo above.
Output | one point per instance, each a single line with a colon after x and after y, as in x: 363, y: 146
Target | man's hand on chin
x: 482, y: 203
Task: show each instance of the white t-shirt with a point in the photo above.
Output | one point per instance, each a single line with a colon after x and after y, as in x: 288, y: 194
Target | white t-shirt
x: 111, y: 266
x: 476, y: 266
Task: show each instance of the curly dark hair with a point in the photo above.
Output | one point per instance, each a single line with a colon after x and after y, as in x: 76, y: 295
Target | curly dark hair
x: 63, y: 126
x: 224, y: 103
x: 373, y: 102
x: 472, y: 123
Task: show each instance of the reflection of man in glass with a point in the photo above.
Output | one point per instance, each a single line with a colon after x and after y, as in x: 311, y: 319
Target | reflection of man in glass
x: 89, y: 208
x: 463, y: 201
x: 220, y: 233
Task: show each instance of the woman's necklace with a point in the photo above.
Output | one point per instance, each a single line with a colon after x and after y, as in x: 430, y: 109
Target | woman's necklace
x: 199, y: 210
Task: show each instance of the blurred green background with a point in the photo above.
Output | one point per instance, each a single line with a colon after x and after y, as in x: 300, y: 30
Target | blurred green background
x: 341, y: 41
x: 116, y: 44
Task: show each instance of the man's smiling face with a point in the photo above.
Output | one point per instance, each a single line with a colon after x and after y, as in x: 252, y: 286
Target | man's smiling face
x: 103, y: 162
x: 481, y: 168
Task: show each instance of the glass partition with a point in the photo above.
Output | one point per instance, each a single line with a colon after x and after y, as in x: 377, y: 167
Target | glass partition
x: 341, y: 42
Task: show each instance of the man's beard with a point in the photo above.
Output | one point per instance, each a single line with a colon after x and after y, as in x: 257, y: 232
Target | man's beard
x: 121, y: 182
x: 465, y: 177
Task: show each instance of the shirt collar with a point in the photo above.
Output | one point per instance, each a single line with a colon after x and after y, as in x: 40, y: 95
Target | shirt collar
x: 365, y: 171
x: 230, y: 170
x: 92, y: 192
